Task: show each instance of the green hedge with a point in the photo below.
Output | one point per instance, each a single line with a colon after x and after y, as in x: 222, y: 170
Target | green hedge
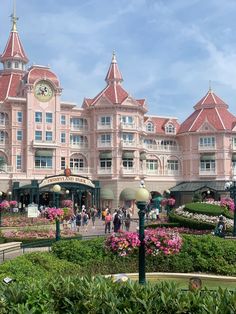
x: 100, y: 295
x: 207, y: 209
x: 190, y: 223
x: 36, y: 242
x: 199, y: 253
x: 33, y: 266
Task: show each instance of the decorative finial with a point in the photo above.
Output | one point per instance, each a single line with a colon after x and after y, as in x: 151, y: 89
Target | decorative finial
x: 14, y: 18
x: 210, y: 90
x: 113, y: 57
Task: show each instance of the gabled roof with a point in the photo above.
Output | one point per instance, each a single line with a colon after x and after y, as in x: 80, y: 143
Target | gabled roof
x: 160, y: 123
x: 113, y: 92
x: 211, y: 109
x: 9, y: 84
x: 14, y: 49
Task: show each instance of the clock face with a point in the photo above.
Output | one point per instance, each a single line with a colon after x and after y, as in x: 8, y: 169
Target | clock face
x: 43, y: 91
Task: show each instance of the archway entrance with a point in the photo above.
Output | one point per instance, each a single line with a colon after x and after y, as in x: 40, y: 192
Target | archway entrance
x: 80, y: 190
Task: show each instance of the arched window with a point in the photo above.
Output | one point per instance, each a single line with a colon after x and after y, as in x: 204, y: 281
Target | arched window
x: 4, y: 137
x: 150, y: 127
x: 170, y: 128
x: 77, y: 163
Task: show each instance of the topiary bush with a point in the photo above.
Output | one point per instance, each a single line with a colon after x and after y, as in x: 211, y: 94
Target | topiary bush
x: 190, y: 223
x: 208, y: 209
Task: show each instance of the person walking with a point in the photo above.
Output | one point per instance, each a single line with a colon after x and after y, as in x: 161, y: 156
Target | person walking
x: 127, y: 222
x: 108, y: 220
x: 117, y: 222
x: 78, y: 219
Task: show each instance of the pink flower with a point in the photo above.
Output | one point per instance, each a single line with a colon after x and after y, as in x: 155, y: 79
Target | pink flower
x: 228, y: 203
x: 54, y: 213
x: 13, y: 203
x: 4, y: 204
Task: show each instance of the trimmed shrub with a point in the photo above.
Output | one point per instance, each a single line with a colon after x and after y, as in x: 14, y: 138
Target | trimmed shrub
x: 198, y: 253
x: 208, y: 209
x: 190, y: 223
x: 33, y: 266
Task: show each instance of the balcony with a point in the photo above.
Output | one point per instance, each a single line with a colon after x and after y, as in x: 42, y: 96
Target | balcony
x: 206, y: 147
x: 128, y: 126
x: 44, y: 144
x: 6, y: 169
x: 104, y: 144
x: 128, y: 171
x: 128, y: 144
x: 81, y: 146
x: 104, y: 171
x: 101, y: 126
x: 170, y: 172
x: 78, y: 128
x: 162, y: 148
x: 83, y: 171
x: 207, y: 172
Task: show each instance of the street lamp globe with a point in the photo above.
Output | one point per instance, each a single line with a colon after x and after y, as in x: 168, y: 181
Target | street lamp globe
x: 67, y: 192
x: 9, y: 193
x: 227, y: 185
x: 56, y: 188
x: 142, y: 195
x: 0, y: 193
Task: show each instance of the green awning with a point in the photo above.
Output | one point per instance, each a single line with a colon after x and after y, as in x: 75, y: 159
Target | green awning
x: 105, y: 155
x: 234, y: 157
x: 127, y: 194
x: 208, y: 157
x: 143, y: 156
x: 129, y: 155
x: 44, y: 153
x: 106, y: 194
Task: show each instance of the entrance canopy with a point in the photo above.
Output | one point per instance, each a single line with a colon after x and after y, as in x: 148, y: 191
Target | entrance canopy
x: 66, y: 179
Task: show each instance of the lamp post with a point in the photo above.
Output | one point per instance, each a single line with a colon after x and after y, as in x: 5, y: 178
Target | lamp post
x: 142, y: 196
x: 231, y: 186
x: 67, y: 193
x: 1, y: 210
x: 56, y: 189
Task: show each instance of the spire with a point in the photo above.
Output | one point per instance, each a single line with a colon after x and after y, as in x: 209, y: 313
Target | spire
x: 14, y: 50
x: 14, y: 18
x: 210, y: 90
x: 113, y: 75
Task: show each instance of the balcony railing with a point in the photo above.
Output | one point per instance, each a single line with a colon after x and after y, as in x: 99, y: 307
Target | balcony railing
x: 128, y: 143
x: 104, y: 126
x: 81, y: 128
x: 80, y: 170
x: 128, y: 126
x: 104, y: 144
x: 166, y: 148
x: 45, y: 144
x: 128, y: 171
x: 104, y: 171
x: 206, y: 148
x: 79, y: 145
x: 6, y: 169
x: 207, y: 172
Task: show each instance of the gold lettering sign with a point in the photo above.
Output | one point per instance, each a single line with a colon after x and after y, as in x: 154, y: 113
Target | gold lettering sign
x: 61, y: 179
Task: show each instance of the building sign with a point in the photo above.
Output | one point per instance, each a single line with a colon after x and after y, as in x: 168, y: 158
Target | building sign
x: 33, y: 211
x: 65, y: 179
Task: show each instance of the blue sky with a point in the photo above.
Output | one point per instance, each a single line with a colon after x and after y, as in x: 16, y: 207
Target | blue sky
x: 167, y: 50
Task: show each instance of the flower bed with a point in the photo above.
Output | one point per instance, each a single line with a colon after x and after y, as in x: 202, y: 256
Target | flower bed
x: 22, y: 221
x: 37, y: 233
x: 157, y: 240
x: 202, y: 218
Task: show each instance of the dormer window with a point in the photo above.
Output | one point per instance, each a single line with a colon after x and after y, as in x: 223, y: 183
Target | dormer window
x: 169, y: 128
x: 8, y: 64
x: 150, y: 127
x: 16, y: 65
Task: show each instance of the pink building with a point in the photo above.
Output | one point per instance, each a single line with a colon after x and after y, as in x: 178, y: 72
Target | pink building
x: 108, y: 144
